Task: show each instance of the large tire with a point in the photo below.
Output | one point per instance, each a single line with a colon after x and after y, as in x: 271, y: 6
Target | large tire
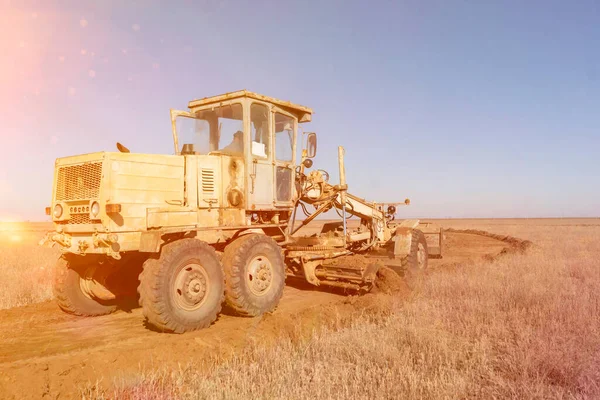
x: 417, y: 260
x: 182, y: 290
x: 254, y: 275
x: 69, y: 294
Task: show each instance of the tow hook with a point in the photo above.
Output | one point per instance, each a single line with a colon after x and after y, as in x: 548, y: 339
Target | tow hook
x: 82, y: 247
x: 105, y: 240
x: 108, y: 240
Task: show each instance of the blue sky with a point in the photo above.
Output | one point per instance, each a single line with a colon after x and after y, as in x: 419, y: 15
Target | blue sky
x: 469, y: 108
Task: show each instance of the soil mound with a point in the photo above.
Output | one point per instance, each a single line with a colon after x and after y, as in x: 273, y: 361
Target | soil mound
x: 389, y: 282
x: 516, y: 245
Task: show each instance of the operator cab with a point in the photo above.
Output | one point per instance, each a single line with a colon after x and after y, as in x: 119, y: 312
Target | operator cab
x: 259, y: 130
x: 216, y: 124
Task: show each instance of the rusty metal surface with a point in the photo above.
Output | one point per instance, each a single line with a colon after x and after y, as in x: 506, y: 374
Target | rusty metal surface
x: 302, y: 112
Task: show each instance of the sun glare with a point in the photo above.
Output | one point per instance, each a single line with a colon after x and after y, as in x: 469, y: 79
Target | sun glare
x: 10, y: 219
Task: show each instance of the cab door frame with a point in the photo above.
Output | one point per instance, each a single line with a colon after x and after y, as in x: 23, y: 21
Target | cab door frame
x: 260, y: 183
x: 174, y: 115
x: 291, y: 165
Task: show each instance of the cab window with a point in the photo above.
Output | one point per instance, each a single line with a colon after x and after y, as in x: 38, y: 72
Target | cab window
x: 284, y: 137
x: 218, y: 129
x: 260, y: 134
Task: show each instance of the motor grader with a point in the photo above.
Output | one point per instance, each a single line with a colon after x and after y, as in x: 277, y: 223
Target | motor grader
x: 216, y: 223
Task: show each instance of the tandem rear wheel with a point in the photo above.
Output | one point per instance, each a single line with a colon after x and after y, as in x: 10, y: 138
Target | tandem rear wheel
x: 182, y: 289
x: 254, y: 275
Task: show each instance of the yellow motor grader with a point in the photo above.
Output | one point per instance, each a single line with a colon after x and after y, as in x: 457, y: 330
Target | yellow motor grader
x: 215, y: 224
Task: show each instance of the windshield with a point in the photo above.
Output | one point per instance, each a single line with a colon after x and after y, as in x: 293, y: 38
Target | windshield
x: 217, y: 130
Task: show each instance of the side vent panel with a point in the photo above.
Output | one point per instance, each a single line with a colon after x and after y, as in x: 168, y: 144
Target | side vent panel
x: 208, y: 181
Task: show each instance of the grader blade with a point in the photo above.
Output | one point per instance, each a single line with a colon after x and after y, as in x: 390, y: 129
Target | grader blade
x: 357, y: 270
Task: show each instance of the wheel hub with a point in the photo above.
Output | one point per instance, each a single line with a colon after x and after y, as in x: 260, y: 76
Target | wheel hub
x: 191, y: 286
x: 260, y: 275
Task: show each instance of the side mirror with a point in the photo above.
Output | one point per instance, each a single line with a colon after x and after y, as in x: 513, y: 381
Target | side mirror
x: 311, y: 145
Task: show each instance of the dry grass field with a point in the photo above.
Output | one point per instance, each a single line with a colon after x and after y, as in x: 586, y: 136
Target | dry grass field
x: 519, y: 326
x: 523, y: 326
x: 26, y: 269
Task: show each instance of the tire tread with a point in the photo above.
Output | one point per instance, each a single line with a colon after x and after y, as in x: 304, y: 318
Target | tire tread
x: 70, y: 299
x: 154, y: 275
x: 234, y: 264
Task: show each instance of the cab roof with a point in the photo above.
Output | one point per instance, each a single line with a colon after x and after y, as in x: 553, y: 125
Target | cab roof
x: 304, y: 114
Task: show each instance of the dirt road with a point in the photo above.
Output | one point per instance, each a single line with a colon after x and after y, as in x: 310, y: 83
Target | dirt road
x: 45, y: 353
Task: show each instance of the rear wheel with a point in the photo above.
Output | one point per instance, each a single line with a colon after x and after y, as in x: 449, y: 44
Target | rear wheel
x: 79, y: 287
x: 182, y: 290
x: 254, y: 275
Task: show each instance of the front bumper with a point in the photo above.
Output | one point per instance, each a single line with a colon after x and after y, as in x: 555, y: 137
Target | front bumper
x: 110, y: 244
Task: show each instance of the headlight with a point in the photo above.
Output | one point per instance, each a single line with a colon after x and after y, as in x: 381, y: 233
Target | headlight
x: 58, y: 211
x: 95, y: 209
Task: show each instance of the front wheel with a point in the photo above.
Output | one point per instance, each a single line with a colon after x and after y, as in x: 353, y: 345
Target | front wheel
x: 182, y: 290
x: 417, y: 260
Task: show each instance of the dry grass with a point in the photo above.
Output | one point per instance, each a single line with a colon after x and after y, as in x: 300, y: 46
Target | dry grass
x: 524, y: 326
x: 26, y: 269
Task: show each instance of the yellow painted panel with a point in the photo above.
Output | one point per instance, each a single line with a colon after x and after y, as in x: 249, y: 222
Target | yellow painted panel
x: 171, y: 218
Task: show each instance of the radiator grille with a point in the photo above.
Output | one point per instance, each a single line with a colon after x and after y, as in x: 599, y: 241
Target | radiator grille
x: 208, y: 181
x: 79, y: 182
x: 80, y: 219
